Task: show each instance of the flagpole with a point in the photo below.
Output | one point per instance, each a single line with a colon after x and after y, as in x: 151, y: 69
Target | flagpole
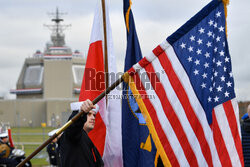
x: 105, y: 46
x: 76, y: 117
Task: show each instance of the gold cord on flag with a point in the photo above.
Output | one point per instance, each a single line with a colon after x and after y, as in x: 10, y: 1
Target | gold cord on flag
x: 127, y: 15
x: 125, y: 77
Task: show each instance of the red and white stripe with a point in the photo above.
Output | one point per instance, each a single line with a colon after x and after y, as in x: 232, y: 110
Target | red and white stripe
x: 26, y: 91
x: 179, y: 118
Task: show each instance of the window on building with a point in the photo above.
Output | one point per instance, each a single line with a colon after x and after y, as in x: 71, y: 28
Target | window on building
x: 33, y: 75
x: 78, y: 71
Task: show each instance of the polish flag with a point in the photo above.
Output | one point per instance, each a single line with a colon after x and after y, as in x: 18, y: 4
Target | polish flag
x: 106, y: 135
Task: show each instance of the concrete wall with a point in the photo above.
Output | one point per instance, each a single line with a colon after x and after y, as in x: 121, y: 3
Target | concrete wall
x: 23, y: 112
x: 58, y: 79
x: 56, y: 110
x: 8, y: 111
x: 30, y: 96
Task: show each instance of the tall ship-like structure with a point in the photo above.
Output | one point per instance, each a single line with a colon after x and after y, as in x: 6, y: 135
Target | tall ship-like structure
x: 49, y: 81
x: 54, y: 73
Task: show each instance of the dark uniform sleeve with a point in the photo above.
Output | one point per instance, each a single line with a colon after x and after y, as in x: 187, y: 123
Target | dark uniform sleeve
x: 74, y: 131
x: 51, y: 149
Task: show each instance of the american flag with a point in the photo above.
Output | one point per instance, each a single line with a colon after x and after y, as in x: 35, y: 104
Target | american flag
x: 192, y: 113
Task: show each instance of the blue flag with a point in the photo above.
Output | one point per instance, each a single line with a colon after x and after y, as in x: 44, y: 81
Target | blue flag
x: 138, y: 146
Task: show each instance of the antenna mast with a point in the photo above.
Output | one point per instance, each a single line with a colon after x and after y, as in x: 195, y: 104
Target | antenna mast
x: 57, y: 36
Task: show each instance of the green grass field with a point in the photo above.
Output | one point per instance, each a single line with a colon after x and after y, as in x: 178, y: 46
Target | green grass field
x: 31, y: 137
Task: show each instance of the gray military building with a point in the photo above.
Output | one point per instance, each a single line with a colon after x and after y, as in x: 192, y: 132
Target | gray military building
x: 49, y: 81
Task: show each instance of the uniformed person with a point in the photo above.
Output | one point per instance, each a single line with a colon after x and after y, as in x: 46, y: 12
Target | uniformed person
x: 5, y: 151
x: 76, y: 148
x: 245, y: 134
x: 52, y: 150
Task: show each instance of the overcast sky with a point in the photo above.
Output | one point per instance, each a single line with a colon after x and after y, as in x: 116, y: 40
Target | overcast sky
x: 22, y: 31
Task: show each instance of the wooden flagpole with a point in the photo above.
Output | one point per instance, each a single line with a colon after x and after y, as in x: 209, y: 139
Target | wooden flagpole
x: 105, y: 46
x: 76, y: 117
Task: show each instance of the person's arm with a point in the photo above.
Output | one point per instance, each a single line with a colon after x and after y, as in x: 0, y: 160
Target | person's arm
x: 74, y: 131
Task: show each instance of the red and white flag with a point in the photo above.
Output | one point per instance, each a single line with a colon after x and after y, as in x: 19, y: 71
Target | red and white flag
x: 107, y: 132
